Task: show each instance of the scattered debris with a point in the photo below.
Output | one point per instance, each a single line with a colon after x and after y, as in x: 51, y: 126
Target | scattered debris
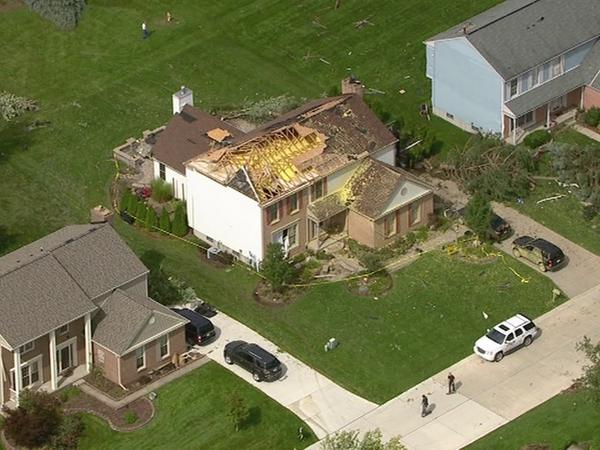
x: 318, y: 24
x: 485, y: 316
x: 337, y: 4
x: 554, y: 197
x: 359, y: 24
x: 402, y: 91
x: 374, y: 91
x: 323, y: 60
x: 331, y: 344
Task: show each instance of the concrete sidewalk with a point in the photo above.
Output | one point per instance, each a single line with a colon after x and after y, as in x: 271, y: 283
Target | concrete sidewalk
x: 322, y: 404
x: 491, y: 394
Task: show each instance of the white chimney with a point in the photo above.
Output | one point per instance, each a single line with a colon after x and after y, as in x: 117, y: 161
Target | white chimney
x: 182, y: 97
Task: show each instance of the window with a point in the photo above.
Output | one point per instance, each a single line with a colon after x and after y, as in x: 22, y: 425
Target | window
x: 273, y: 213
x: 513, y: 88
x: 510, y: 337
x: 415, y: 213
x: 389, y: 224
x: 27, y: 347
x: 288, y: 237
x: 30, y: 373
x: 526, y: 81
x: 140, y: 358
x: 100, y: 356
x: 318, y: 189
x: 162, y: 171
x: 163, y: 346
x: 556, y: 67
x: 525, y: 119
x: 529, y: 326
x: 63, y: 330
x: 293, y: 203
x: 544, y: 73
x: 518, y: 332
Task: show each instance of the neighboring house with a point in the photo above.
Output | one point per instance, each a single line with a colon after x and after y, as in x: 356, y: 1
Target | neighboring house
x: 323, y: 168
x: 517, y: 67
x: 74, y: 299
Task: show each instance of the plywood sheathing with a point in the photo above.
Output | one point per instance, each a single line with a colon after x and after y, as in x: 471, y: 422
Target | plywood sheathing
x: 218, y: 134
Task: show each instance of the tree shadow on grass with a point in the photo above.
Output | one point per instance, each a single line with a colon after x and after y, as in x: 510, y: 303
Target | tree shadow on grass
x: 6, y: 239
x: 254, y: 418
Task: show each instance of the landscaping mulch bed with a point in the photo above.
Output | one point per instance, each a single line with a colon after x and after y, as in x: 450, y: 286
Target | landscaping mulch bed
x: 264, y: 295
x: 142, y: 409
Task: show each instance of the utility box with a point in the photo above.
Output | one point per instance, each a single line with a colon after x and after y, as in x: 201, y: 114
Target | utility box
x: 331, y: 344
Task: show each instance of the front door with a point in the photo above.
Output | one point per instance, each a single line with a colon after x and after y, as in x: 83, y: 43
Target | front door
x: 64, y: 357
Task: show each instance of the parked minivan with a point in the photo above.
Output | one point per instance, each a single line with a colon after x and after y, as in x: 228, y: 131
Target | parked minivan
x: 199, y: 330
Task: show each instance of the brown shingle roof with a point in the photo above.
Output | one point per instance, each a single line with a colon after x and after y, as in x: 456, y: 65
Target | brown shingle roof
x: 185, y: 137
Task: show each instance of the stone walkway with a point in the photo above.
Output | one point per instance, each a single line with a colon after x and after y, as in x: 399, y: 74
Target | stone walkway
x: 116, y: 404
x: 587, y: 132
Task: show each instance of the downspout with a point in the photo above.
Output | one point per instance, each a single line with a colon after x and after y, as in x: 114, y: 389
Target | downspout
x: 119, y: 374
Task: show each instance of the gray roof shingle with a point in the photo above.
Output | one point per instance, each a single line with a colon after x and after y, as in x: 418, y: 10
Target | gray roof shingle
x: 124, y: 321
x: 100, y: 261
x: 519, y: 34
x: 38, y: 297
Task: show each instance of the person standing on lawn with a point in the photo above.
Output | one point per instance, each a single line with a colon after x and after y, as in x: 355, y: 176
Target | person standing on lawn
x: 144, y: 30
x: 451, y: 385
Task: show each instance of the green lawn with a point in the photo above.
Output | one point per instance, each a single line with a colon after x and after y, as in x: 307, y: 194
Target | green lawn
x: 563, y: 215
x: 561, y: 420
x: 102, y: 83
x: 191, y: 414
x: 387, y: 345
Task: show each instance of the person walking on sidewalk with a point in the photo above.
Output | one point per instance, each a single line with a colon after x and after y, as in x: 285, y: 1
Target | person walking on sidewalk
x: 424, y: 405
x: 451, y: 385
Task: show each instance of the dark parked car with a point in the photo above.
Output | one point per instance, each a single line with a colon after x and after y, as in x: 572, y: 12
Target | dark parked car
x: 199, y: 330
x: 262, y: 364
x: 544, y: 254
x: 499, y: 228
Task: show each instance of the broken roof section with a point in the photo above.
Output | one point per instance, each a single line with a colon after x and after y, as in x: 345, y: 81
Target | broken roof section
x: 303, y: 145
x: 189, y: 134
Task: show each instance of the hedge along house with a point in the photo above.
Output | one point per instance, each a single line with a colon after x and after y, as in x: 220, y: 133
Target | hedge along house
x: 299, y: 178
x: 74, y: 299
x: 519, y: 66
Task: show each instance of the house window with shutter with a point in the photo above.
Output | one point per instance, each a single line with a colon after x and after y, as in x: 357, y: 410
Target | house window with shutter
x: 390, y: 224
x: 273, y: 213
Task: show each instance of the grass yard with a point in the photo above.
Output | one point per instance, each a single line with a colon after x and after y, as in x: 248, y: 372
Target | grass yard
x: 387, y: 345
x: 102, y: 83
x: 191, y: 413
x: 564, y: 419
x: 563, y: 215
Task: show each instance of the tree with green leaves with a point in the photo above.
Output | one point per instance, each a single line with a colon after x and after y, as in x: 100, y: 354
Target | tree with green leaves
x: 591, y: 372
x: 165, y: 221
x: 478, y: 216
x: 238, y: 413
x: 65, y: 14
x: 179, y: 227
x: 275, y: 268
x: 140, y: 213
x: 371, y: 440
x: 151, y: 219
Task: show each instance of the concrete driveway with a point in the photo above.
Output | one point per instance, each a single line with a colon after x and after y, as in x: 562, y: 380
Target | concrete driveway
x: 583, y: 269
x: 491, y: 394
x: 317, y: 400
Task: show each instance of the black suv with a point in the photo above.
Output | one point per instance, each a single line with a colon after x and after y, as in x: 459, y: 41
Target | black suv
x: 262, y: 364
x: 499, y: 228
x: 199, y: 330
x: 544, y: 254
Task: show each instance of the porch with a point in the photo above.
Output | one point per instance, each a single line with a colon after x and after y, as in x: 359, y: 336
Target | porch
x: 559, y: 110
x: 327, y: 221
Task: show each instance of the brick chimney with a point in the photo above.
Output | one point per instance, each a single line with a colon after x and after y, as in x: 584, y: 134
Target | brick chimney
x: 352, y: 85
x: 182, y: 97
x: 100, y: 214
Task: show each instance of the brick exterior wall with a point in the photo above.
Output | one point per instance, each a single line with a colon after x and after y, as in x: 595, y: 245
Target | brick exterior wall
x: 129, y: 373
x: 591, y: 98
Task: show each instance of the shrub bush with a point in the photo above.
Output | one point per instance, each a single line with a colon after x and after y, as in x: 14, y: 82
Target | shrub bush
x: 12, y: 106
x: 275, y: 268
x: 125, y: 203
x: 165, y: 222
x: 68, y: 434
x: 161, y: 190
x: 537, y: 138
x: 151, y: 219
x: 179, y: 226
x: 130, y: 417
x: 65, y: 14
x: 592, y: 117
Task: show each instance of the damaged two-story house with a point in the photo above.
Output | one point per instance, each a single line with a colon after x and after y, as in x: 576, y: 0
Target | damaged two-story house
x: 517, y: 67
x: 325, y: 167
x: 74, y: 299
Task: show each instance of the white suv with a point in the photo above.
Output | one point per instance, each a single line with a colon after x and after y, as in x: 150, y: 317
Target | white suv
x: 505, y: 337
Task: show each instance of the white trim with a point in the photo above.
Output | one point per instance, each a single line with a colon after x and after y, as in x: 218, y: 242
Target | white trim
x: 118, y: 287
x: 17, y: 369
x: 62, y: 345
x: 53, y: 365
x: 64, y: 332
x: 1, y: 377
x: 158, y: 346
x: 88, y: 342
x: 143, y: 366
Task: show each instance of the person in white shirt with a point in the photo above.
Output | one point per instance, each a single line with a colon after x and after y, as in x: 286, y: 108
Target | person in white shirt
x: 144, y: 30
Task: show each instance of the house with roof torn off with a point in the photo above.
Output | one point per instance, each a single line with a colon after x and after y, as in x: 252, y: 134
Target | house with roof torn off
x: 324, y: 168
x: 517, y: 67
x: 74, y: 299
